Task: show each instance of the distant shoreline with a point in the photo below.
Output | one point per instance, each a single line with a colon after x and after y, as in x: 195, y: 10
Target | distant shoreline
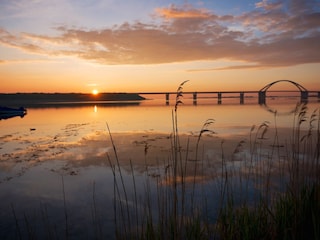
x: 40, y: 99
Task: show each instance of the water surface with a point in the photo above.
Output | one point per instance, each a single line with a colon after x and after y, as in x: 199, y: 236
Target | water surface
x: 54, y: 160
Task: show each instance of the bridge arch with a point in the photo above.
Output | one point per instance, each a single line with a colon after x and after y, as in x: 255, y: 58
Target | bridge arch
x: 262, y: 91
x: 300, y: 87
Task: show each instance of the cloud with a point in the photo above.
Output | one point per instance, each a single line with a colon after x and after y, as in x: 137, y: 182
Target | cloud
x: 274, y: 34
x: 184, y: 12
x: 269, y: 6
x: 233, y: 67
x: 20, y: 42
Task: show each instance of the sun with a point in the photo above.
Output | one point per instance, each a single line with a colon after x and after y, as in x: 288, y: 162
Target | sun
x: 95, y: 91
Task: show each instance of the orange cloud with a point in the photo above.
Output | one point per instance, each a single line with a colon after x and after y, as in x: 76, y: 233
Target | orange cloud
x: 8, y: 39
x: 269, y: 36
x: 187, y: 11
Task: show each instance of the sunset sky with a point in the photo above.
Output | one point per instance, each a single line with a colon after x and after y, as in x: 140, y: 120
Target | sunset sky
x: 154, y: 45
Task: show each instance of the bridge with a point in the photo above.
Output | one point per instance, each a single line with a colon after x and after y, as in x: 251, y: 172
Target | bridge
x: 262, y: 93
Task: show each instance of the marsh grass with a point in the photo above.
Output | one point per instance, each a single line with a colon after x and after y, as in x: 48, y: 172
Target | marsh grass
x: 173, y: 212
x: 294, y: 211
x: 272, y: 192
x: 264, y: 189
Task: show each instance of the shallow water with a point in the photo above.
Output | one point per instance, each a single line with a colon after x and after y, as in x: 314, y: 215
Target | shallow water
x: 60, y: 153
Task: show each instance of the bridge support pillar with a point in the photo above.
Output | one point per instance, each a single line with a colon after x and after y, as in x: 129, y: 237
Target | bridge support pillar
x: 167, y: 98
x: 262, y: 97
x: 195, y: 98
x: 219, y: 97
x: 241, y: 97
x: 304, y: 96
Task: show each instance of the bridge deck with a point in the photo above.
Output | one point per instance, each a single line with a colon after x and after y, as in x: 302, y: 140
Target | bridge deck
x: 241, y: 94
x: 216, y: 92
x: 262, y: 93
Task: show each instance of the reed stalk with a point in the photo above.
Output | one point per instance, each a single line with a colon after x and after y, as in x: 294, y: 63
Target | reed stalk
x: 66, y: 216
x: 16, y: 222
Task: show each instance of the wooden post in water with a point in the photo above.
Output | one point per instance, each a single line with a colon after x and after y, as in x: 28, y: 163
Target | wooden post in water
x: 219, y: 97
x: 241, y: 97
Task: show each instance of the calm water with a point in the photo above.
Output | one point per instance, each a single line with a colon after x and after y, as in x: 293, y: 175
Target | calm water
x: 64, y: 148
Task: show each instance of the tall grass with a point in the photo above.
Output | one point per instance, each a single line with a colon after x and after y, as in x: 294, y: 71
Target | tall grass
x: 264, y: 189
x: 294, y: 212
x: 272, y: 192
x: 171, y: 214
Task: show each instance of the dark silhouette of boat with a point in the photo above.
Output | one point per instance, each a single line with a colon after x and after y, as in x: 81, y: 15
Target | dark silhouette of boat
x: 6, y: 112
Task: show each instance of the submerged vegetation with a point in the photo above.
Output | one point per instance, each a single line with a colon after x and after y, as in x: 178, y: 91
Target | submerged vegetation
x: 264, y: 192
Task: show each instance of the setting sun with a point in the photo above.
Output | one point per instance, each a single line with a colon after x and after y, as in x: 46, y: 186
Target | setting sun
x: 95, y: 91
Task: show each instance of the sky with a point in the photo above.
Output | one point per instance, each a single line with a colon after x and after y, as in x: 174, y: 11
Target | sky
x: 154, y: 45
